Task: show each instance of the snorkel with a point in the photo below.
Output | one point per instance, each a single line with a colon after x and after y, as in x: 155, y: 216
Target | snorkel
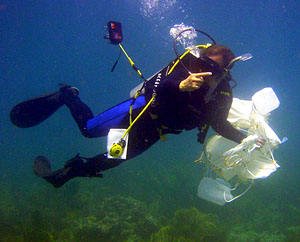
x: 243, y: 57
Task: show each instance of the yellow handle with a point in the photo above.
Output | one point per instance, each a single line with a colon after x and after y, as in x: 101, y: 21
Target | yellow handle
x: 132, y: 63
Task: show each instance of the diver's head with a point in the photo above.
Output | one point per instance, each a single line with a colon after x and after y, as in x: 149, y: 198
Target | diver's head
x: 220, y: 54
x: 215, y: 59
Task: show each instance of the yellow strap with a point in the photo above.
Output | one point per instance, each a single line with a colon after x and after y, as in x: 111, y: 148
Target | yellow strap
x: 184, y: 54
x: 162, y: 136
x: 131, y: 62
x: 140, y: 114
x: 131, y: 106
x: 153, y: 116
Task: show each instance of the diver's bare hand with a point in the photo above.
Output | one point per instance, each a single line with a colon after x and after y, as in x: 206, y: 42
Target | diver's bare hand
x: 260, y: 142
x: 193, y: 82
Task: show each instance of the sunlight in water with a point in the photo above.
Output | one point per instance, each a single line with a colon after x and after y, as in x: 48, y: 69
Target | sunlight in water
x: 149, y: 8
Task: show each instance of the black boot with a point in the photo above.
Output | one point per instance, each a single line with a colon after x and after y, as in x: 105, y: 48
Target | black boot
x: 74, y: 167
x: 79, y: 110
x: 67, y: 93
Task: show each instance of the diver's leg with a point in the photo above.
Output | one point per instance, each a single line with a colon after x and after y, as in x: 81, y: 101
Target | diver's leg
x: 79, y: 110
x: 74, y: 167
x: 142, y: 135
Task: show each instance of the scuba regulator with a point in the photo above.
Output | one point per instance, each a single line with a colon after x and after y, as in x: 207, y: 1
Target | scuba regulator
x: 117, y: 149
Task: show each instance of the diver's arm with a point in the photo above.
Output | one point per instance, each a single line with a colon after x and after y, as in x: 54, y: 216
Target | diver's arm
x: 179, y: 81
x: 218, y: 120
x: 183, y: 80
x: 169, y: 85
x: 225, y: 129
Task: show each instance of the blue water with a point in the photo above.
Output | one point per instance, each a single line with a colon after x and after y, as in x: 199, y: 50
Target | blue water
x: 43, y: 43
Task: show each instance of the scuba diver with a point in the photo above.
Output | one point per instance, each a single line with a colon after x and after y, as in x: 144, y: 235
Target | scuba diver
x: 191, y: 92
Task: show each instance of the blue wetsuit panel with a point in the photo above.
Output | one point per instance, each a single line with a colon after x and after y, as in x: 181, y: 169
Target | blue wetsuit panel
x: 111, y: 118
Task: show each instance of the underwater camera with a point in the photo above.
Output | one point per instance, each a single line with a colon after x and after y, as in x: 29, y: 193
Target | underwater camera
x: 114, y: 32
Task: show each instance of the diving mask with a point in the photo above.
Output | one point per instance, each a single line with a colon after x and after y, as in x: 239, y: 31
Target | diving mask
x: 208, y: 65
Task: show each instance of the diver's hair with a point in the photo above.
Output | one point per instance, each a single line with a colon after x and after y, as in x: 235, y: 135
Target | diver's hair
x: 227, y: 54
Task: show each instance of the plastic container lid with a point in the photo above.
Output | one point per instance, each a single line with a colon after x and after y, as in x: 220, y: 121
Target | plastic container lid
x: 265, y: 100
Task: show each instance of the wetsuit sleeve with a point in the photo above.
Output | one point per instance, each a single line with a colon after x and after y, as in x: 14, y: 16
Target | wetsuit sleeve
x: 220, y: 123
x: 169, y: 85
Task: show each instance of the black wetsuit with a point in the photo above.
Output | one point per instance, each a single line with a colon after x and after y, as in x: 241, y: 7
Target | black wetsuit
x: 188, y: 110
x: 175, y: 111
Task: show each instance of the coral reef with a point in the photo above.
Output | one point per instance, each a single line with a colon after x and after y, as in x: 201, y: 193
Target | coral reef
x: 293, y: 233
x: 242, y: 234
x: 252, y: 236
x: 84, y: 211
x: 189, y: 225
x: 114, y: 218
x: 117, y: 219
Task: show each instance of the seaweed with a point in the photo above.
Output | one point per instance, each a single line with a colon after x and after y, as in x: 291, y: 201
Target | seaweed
x: 189, y: 225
